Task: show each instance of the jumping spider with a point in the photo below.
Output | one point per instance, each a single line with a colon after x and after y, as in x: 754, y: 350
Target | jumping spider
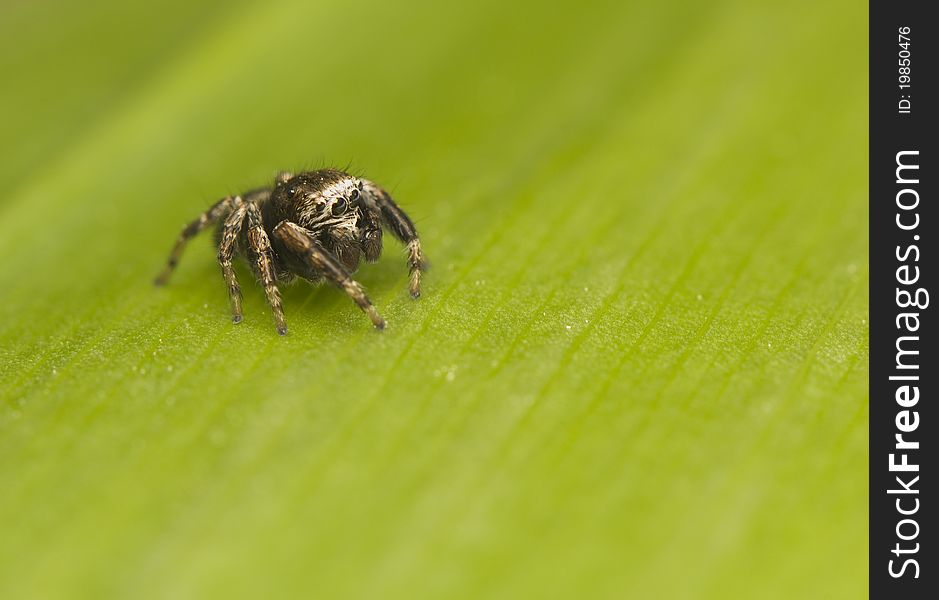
x: 315, y: 225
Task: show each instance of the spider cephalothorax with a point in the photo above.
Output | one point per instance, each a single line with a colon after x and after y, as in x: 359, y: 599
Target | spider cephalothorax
x: 316, y: 225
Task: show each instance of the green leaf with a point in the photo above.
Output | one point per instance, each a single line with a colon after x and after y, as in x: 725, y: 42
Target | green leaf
x: 638, y: 369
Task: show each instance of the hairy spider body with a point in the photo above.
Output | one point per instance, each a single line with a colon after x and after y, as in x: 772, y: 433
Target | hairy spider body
x: 316, y: 225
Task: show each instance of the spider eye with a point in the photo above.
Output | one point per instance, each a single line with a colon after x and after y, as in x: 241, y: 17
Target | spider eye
x: 291, y: 192
x: 354, y: 195
x: 339, y: 207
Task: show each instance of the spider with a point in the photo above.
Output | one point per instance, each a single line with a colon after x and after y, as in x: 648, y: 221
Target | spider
x: 315, y: 225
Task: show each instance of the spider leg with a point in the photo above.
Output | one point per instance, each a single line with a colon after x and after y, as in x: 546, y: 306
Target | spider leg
x: 260, y: 247
x: 401, y: 226
x: 226, y: 249
x: 371, y: 233
x: 215, y: 212
x: 299, y: 242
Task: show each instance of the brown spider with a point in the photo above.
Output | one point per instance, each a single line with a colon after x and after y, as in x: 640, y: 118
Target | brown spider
x: 314, y: 225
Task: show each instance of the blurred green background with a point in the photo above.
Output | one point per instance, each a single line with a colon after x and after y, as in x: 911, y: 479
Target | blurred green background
x: 638, y: 370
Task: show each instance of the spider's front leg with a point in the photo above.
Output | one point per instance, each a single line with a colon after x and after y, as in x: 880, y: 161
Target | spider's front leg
x: 215, y: 212
x: 260, y: 246
x: 299, y: 242
x: 371, y: 233
x: 401, y: 226
x: 226, y: 249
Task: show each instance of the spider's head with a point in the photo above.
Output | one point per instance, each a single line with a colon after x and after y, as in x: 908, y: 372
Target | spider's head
x: 324, y: 199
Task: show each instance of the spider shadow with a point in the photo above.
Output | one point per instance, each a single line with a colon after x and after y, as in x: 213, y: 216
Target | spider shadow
x: 384, y: 280
x: 377, y: 278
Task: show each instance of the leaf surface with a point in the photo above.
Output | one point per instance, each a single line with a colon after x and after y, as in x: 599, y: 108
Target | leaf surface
x: 639, y: 366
